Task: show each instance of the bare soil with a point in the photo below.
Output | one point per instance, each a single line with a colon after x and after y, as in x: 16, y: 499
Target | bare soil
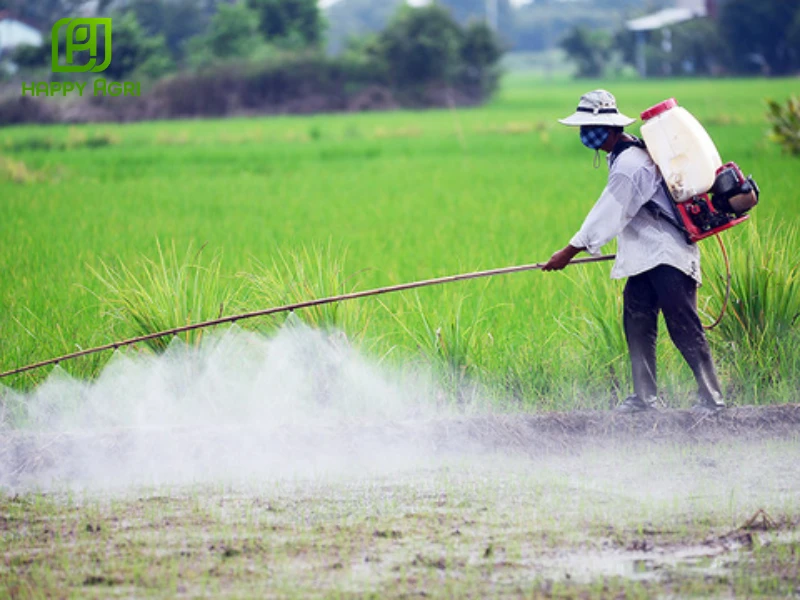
x: 578, y: 505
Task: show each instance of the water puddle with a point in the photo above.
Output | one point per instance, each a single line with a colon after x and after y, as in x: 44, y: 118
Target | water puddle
x: 650, y: 563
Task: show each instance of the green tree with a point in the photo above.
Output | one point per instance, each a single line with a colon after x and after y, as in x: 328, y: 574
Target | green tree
x: 480, y: 51
x: 589, y: 50
x: 480, y: 47
x: 289, y: 22
x: 132, y: 48
x: 421, y: 45
x: 760, y: 35
x: 176, y: 20
x: 349, y: 20
x: 233, y: 32
x: 32, y: 57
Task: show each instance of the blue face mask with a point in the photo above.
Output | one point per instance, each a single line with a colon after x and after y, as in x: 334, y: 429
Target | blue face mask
x: 594, y: 136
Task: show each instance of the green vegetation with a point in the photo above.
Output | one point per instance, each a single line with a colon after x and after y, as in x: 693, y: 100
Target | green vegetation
x: 785, y: 121
x: 293, y: 277
x: 408, y: 196
x: 167, y: 292
x: 115, y: 230
x: 264, y: 57
x: 758, y: 337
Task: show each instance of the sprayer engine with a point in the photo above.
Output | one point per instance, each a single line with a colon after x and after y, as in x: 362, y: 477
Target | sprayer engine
x: 723, y: 207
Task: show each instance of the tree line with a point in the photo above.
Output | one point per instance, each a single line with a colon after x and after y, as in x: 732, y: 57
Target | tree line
x: 153, y: 38
x: 269, y: 56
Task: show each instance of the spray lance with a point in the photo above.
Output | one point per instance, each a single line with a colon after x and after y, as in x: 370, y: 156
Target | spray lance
x: 297, y: 306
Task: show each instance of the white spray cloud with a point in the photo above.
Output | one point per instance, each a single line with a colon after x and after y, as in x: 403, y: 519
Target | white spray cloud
x: 239, y: 406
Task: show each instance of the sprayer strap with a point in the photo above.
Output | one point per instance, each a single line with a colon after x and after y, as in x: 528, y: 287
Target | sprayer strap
x: 673, y: 219
x: 652, y: 207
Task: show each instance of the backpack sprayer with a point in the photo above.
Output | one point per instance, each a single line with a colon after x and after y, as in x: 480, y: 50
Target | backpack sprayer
x: 709, y: 196
x: 689, y: 163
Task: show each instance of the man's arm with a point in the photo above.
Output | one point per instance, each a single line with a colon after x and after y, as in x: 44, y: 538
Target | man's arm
x: 614, y: 209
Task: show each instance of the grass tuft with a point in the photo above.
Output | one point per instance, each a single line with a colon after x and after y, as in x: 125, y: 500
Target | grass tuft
x: 759, y: 337
x: 17, y: 171
x: 599, y: 331
x: 455, y: 337
x: 311, y: 273
x: 169, y: 292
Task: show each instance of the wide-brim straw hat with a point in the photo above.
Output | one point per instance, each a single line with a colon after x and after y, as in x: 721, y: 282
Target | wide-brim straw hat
x: 597, y: 107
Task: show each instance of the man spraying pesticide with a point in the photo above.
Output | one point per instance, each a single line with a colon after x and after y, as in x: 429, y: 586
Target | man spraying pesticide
x: 656, y: 204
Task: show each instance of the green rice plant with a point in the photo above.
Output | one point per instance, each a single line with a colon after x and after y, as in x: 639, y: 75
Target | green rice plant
x: 47, y: 336
x: 454, y: 337
x: 599, y: 330
x: 759, y: 334
x: 166, y: 293
x: 79, y: 138
x: 403, y: 196
x: 524, y: 372
x: 311, y: 273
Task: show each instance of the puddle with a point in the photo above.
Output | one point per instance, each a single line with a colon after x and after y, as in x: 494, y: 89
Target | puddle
x: 650, y: 564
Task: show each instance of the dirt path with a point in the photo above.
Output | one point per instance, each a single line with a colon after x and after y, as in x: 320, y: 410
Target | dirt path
x: 746, y: 422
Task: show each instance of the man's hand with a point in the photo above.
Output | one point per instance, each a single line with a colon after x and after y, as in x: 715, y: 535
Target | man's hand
x: 561, y: 259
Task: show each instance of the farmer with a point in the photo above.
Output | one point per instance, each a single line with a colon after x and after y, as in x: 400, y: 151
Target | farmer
x: 662, y: 268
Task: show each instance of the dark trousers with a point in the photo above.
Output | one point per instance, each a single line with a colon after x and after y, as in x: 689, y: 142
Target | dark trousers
x: 674, y: 293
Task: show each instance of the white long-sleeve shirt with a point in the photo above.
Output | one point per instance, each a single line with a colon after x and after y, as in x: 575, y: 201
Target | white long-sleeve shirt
x: 644, y: 239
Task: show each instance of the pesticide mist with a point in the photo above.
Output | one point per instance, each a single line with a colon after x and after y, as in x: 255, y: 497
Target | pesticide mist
x: 240, y: 405
x: 304, y: 405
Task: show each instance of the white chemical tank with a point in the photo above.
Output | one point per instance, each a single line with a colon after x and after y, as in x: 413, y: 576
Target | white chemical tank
x: 681, y: 148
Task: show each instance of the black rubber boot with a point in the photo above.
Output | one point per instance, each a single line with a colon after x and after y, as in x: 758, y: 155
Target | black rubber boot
x: 634, y: 404
x: 711, y: 403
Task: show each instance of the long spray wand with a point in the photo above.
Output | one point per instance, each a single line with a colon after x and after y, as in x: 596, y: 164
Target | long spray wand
x: 292, y: 307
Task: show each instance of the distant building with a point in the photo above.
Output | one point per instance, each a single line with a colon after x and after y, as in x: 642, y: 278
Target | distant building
x: 14, y: 33
x: 684, y: 10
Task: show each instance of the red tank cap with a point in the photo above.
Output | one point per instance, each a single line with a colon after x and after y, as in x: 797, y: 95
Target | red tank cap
x: 659, y: 108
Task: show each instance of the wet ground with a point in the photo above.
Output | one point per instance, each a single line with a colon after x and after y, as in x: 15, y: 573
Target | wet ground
x: 476, y: 507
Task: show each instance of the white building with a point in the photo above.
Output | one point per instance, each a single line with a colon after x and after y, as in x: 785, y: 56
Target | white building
x: 684, y: 10
x: 15, y: 33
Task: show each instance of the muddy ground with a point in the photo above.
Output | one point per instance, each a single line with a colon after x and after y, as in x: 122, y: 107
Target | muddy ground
x: 584, y: 505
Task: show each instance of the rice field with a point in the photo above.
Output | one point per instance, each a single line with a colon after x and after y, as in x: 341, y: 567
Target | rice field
x: 381, y: 448
x: 375, y: 199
